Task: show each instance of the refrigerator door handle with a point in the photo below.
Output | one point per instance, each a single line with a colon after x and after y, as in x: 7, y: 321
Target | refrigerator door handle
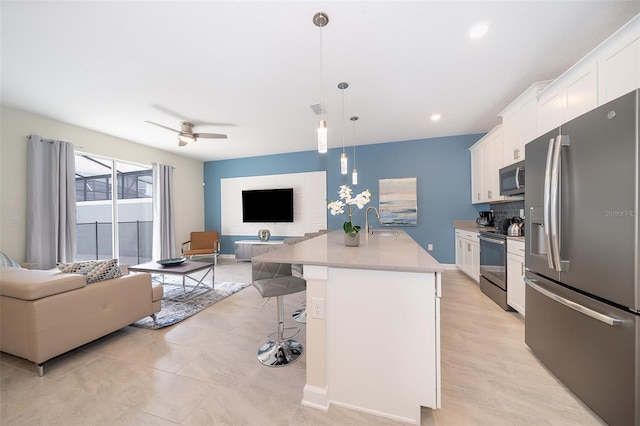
x: 547, y: 203
x: 554, y: 213
x: 518, y: 177
x: 573, y: 305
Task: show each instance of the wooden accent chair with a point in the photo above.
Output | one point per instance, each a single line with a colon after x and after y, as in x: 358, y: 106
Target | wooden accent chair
x: 202, y: 243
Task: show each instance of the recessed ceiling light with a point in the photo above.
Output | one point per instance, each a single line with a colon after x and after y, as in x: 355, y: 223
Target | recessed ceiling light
x: 435, y: 117
x: 478, y: 30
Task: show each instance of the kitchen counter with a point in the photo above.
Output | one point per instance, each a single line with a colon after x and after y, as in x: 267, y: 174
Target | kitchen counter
x: 472, y: 226
x: 373, y: 323
x: 385, y: 250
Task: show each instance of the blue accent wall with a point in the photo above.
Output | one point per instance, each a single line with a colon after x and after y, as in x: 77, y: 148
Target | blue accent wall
x: 441, y: 165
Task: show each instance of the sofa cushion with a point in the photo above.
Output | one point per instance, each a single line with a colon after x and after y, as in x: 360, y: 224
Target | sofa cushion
x: 7, y: 262
x: 35, y: 284
x: 93, y: 270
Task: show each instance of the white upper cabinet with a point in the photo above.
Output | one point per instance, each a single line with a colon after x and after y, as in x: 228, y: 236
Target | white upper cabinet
x: 520, y: 123
x: 571, y: 95
x: 581, y: 90
x: 619, y: 63
x: 486, y: 161
x: 611, y: 70
x: 476, y: 173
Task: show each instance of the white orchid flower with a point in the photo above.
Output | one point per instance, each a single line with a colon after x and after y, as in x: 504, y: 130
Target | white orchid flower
x: 337, y: 207
x: 360, y: 201
x: 345, y: 192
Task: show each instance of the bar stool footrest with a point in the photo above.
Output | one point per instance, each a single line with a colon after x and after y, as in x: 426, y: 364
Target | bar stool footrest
x: 280, y: 353
x: 273, y: 337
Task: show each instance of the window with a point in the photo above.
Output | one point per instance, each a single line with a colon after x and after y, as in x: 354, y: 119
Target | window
x: 100, y: 204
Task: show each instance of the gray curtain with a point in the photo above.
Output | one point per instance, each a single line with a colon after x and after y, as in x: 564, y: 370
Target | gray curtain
x: 51, y: 202
x: 164, y: 239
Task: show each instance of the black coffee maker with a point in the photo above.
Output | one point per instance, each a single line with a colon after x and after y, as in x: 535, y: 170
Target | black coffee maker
x: 485, y: 218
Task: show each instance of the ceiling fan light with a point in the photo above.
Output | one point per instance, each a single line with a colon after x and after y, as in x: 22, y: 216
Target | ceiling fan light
x: 186, y: 138
x: 322, y: 137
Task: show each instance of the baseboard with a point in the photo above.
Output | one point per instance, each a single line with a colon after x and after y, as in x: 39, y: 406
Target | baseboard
x: 315, y: 397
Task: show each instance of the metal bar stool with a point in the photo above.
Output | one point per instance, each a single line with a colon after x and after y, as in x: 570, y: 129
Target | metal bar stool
x: 276, y: 280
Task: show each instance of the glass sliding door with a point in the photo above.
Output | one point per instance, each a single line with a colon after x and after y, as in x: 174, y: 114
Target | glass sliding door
x: 134, y: 213
x: 101, y: 204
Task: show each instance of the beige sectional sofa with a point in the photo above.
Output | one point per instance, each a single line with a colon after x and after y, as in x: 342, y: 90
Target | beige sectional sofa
x: 44, y: 314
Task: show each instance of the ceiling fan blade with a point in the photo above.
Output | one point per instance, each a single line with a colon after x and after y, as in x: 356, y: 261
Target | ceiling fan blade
x: 164, y: 127
x: 210, y: 135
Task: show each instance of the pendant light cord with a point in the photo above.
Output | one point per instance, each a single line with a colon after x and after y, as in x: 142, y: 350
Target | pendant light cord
x: 343, y: 120
x: 321, y: 82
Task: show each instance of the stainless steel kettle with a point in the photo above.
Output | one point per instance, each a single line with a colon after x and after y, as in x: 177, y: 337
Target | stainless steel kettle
x: 515, y: 229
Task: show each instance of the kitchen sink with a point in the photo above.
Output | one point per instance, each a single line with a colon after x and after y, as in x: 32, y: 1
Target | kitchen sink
x: 385, y: 232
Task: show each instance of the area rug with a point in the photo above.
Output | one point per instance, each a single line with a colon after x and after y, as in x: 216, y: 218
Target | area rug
x: 176, y: 306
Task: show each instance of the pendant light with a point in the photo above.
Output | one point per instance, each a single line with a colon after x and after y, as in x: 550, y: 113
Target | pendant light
x: 354, y: 173
x: 343, y: 157
x: 320, y: 20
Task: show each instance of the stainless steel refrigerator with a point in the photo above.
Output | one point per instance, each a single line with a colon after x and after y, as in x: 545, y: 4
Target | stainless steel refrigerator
x: 582, y: 294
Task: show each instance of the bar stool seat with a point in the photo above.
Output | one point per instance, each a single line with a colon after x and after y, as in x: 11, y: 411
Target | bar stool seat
x: 276, y: 280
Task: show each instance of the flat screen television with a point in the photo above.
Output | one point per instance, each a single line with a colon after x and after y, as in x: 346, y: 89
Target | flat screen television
x: 267, y: 205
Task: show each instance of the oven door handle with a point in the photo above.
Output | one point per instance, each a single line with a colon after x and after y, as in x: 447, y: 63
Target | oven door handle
x: 573, y: 305
x: 492, y: 240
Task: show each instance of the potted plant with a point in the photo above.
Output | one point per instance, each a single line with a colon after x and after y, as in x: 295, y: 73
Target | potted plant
x: 351, y: 236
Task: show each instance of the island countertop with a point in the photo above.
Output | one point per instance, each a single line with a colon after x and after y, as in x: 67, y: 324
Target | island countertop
x: 385, y: 250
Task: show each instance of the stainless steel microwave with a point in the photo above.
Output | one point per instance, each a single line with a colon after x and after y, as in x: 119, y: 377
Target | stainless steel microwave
x: 512, y: 179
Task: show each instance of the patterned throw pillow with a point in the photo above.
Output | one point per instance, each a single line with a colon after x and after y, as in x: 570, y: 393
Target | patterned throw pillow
x: 93, y: 270
x: 8, y: 262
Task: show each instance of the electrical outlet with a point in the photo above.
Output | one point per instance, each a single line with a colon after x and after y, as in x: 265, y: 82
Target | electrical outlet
x: 317, y: 308
x: 430, y: 247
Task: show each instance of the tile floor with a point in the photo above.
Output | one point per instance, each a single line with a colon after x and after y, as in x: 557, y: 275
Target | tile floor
x: 203, y: 371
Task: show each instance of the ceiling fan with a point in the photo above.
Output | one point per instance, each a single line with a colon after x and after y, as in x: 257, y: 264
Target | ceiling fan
x: 186, y: 135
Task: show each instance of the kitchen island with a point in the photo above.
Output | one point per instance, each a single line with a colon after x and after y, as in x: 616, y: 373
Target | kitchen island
x: 373, y: 323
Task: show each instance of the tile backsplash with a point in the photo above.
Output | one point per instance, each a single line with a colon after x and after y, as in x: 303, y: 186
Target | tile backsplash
x: 502, y: 211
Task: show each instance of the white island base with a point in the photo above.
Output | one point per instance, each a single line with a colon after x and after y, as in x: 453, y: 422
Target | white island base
x: 378, y: 349
x: 376, y: 346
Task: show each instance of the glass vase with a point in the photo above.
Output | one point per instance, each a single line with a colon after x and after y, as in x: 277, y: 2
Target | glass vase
x: 264, y: 234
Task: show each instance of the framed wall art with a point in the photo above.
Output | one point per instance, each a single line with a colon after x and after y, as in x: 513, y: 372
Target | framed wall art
x: 398, y: 201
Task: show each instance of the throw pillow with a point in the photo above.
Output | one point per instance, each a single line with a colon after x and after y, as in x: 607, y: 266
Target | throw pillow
x: 8, y: 262
x: 93, y: 270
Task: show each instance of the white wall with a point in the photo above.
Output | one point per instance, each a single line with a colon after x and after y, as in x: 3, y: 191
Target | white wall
x: 309, y: 203
x: 17, y: 125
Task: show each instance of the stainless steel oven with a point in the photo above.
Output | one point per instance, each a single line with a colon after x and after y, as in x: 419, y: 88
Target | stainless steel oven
x: 493, y: 266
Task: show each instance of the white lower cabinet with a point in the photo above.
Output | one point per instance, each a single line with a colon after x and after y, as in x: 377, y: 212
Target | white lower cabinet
x: 515, y: 275
x: 468, y: 253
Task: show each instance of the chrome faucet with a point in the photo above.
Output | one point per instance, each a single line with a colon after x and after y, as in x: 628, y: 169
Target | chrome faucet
x: 366, y: 217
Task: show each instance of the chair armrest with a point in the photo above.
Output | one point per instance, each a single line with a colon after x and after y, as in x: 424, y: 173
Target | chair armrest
x: 216, y: 246
x: 184, y: 244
